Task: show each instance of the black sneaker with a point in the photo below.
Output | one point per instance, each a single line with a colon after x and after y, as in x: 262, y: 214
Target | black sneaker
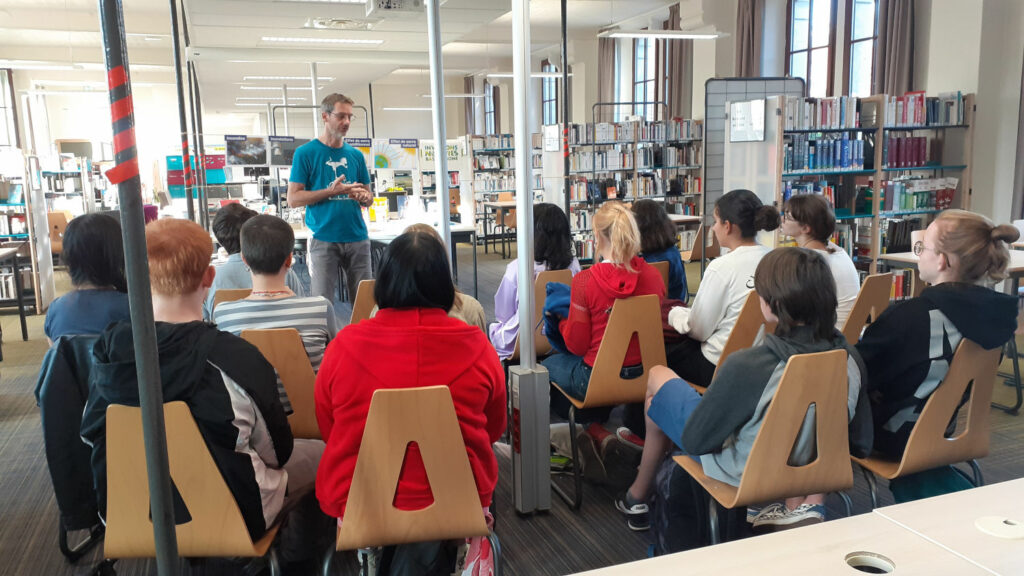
x: 622, y: 505
x: 639, y: 523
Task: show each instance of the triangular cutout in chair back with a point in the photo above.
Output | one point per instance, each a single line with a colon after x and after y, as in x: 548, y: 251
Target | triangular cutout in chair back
x: 638, y: 316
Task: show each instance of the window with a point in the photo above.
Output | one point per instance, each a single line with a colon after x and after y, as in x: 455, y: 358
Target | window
x: 645, y: 78
x: 860, y: 48
x: 809, y: 42
x: 549, y: 95
x: 8, y: 136
x: 490, y: 126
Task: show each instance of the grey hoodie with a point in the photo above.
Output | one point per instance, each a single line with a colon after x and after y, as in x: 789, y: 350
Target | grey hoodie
x: 724, y: 425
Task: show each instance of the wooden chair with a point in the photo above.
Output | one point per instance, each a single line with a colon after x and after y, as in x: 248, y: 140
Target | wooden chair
x: 58, y: 223
x: 507, y: 220
x: 663, y: 270
x: 364, y: 301
x: 818, y: 379
x: 744, y: 332
x: 230, y: 295
x: 540, y: 341
x: 396, y: 418
x: 928, y: 447
x: 283, y: 348
x: 701, y: 249
x: 872, y: 300
x: 216, y: 527
x: 639, y: 315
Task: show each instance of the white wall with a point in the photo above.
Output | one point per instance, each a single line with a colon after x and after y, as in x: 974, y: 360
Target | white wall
x: 773, y: 39
x: 948, y: 42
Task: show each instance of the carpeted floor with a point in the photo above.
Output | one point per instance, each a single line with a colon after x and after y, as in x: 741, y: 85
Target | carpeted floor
x: 557, y: 542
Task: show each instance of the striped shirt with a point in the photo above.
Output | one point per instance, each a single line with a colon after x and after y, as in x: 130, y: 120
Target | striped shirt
x: 312, y: 316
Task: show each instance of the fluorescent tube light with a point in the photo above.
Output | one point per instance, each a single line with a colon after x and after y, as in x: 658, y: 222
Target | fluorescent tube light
x: 305, y: 40
x: 306, y: 78
x: 37, y: 65
x: 265, y: 98
x: 533, y: 75
x: 406, y: 108
x: 275, y: 88
x: 456, y: 95
x: 661, y: 34
x: 327, y: 1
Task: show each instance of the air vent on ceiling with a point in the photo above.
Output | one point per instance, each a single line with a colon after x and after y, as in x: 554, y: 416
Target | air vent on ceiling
x: 395, y: 8
x: 341, y: 23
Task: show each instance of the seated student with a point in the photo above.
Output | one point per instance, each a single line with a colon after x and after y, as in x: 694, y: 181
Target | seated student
x: 225, y: 381
x: 411, y: 342
x: 465, y: 307
x: 808, y: 219
x: 796, y: 290
x: 94, y: 255
x: 267, y: 251
x: 658, y: 243
x: 723, y: 289
x: 552, y: 250
x: 620, y: 273
x: 908, y: 349
x: 232, y: 273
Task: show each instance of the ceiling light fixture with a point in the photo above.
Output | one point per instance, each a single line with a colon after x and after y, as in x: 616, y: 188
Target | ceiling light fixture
x: 265, y: 98
x: 407, y: 108
x: 37, y: 65
x: 327, y: 1
x: 306, y: 78
x: 456, y: 95
x: 662, y: 34
x: 276, y: 88
x: 304, y: 40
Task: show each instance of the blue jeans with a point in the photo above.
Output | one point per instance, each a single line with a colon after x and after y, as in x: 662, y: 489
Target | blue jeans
x: 572, y: 375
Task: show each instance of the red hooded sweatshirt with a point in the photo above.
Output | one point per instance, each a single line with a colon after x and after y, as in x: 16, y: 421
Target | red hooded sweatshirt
x: 594, y: 291
x: 407, y: 348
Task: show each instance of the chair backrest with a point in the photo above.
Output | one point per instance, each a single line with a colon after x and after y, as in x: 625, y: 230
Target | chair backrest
x: 57, y: 222
x: 364, y: 302
x: 230, y: 295
x: 396, y: 418
x: 701, y: 248
x: 216, y: 528
x: 540, y: 341
x: 928, y: 446
x: 508, y: 216
x: 809, y: 379
x: 872, y: 300
x: 283, y: 348
x: 640, y: 315
x: 745, y: 331
x: 662, y: 268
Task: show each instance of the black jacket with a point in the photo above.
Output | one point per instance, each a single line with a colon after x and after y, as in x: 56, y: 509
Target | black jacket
x: 205, y: 368
x: 919, y: 336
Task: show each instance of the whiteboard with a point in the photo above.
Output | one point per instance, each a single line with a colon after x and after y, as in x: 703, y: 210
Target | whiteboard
x: 756, y: 166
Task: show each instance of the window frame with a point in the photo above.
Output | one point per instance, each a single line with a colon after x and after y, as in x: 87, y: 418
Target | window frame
x: 849, y: 41
x: 549, y: 94
x: 490, y: 110
x: 830, y: 46
x: 652, y: 47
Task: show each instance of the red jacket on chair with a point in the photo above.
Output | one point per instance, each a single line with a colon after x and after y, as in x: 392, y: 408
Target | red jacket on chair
x: 407, y: 348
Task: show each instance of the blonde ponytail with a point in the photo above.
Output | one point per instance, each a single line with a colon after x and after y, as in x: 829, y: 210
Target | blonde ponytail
x: 615, y: 224
x: 976, y: 247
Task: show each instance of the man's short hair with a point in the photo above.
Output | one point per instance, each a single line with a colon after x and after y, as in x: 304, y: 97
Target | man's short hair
x: 179, y: 254
x: 327, y: 104
x: 228, y: 222
x: 266, y: 243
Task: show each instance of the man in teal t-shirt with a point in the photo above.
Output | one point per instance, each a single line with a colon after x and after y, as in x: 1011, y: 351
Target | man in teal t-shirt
x: 330, y: 179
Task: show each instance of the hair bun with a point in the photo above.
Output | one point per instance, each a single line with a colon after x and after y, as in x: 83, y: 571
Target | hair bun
x: 766, y: 218
x: 1005, y: 232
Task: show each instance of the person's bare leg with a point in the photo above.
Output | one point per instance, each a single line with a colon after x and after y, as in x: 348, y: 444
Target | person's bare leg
x: 813, y: 500
x: 657, y: 444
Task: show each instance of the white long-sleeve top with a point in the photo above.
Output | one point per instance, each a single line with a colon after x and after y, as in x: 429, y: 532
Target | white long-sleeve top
x: 722, y: 293
x: 847, y: 281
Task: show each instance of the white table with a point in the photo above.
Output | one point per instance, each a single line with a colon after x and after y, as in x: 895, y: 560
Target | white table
x: 816, y: 550
x: 684, y: 219
x: 948, y: 521
x: 499, y: 207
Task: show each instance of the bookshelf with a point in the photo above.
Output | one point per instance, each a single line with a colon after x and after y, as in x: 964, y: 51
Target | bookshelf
x: 887, y: 163
x: 23, y: 222
x: 494, y: 172
x: 632, y: 160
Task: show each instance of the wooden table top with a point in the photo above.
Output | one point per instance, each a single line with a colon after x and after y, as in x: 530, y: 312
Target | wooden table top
x: 500, y: 204
x: 684, y: 218
x: 1015, y: 268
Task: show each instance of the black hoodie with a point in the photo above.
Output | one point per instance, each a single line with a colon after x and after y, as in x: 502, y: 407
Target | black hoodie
x: 919, y: 336
x: 230, y: 389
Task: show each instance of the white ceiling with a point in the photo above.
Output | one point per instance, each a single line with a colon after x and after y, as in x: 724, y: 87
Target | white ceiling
x: 226, y: 40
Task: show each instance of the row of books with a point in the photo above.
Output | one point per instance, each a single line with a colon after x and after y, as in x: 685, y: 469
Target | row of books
x: 802, y: 152
x: 919, y: 194
x: 902, y: 285
x: 905, y: 151
x: 667, y: 156
x: 13, y: 223
x: 674, y: 130
x: 494, y: 162
x: 686, y: 239
x: 819, y: 187
x: 915, y: 109
x: 429, y: 179
x: 493, y: 141
x: 822, y: 113
x: 583, y: 246
x: 580, y: 219
x: 688, y: 208
x: 591, y: 160
x: 896, y: 234
x: 8, y: 288
x: 647, y: 185
x: 493, y: 182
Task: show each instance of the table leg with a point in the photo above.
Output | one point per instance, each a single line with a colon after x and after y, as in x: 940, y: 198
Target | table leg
x: 1015, y: 409
x: 455, y: 262
x: 486, y: 229
x: 21, y: 298
x: 475, y: 286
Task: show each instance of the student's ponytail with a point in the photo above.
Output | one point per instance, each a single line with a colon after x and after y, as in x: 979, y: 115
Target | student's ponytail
x: 975, y: 247
x: 744, y: 209
x: 614, y: 223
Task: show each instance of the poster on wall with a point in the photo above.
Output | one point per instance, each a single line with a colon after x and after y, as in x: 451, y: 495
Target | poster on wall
x: 394, y: 153
x: 746, y: 121
x: 456, y: 149
x: 364, y: 145
x: 246, y: 150
x: 282, y: 149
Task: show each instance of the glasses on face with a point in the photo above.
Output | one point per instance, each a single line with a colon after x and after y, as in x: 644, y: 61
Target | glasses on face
x: 342, y: 116
x: 919, y: 248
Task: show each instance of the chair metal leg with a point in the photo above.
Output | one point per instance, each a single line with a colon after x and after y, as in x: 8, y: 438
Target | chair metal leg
x: 328, y: 558
x: 846, y: 502
x: 73, y: 553
x: 275, y: 564
x: 495, y: 552
x: 872, y: 486
x: 713, y: 520
x: 979, y: 480
x: 1015, y: 409
x: 576, y: 500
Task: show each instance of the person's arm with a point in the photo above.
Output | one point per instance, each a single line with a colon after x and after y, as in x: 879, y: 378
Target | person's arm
x: 323, y: 390
x: 576, y: 329
x: 506, y: 307
x: 884, y: 343
x: 727, y: 405
x: 708, y: 310
x: 860, y: 431
x: 298, y: 196
x: 496, y: 409
x: 332, y: 322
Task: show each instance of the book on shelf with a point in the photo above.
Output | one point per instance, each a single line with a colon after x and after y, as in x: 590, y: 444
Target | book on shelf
x: 675, y: 130
x: 822, y: 113
x: 896, y: 234
x: 835, y: 151
x: 919, y: 194
x: 493, y: 141
x: 902, y: 285
x: 493, y: 162
x: 915, y: 109
x: 686, y: 239
x: 901, y: 150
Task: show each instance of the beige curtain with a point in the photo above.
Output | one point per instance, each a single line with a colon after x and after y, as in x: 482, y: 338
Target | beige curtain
x: 749, y: 26
x: 894, y: 50
x: 470, y: 105
x: 605, y: 76
x: 679, y: 55
x: 1018, y: 175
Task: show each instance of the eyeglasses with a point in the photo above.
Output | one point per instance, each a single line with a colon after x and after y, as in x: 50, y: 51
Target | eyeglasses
x: 919, y: 248
x: 342, y: 116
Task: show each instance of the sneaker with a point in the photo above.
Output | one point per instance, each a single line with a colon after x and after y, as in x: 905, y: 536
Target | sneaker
x: 600, y: 436
x: 803, y: 515
x: 629, y: 438
x: 767, y: 514
x: 639, y: 523
x: 622, y: 505
x: 753, y: 511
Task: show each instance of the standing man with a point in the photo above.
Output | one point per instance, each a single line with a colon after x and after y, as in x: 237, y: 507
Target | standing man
x: 330, y: 179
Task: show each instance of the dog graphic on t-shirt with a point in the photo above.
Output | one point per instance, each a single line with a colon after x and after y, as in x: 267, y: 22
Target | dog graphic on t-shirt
x: 343, y: 163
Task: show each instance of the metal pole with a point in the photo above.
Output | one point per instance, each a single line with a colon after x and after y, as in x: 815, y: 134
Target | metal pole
x: 373, y: 131
x: 126, y: 175
x: 181, y: 111
x: 565, y: 107
x: 200, y: 152
x: 284, y: 100
x: 202, y: 208
x: 437, y: 111
x: 314, y: 100
x: 524, y: 195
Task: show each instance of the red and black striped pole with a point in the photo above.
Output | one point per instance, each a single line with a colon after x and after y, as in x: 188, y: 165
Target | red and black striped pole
x: 133, y: 231
x: 182, y: 122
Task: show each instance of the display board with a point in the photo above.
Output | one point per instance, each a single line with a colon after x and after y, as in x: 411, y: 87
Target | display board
x: 282, y: 150
x: 394, y: 153
x: 245, y: 150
